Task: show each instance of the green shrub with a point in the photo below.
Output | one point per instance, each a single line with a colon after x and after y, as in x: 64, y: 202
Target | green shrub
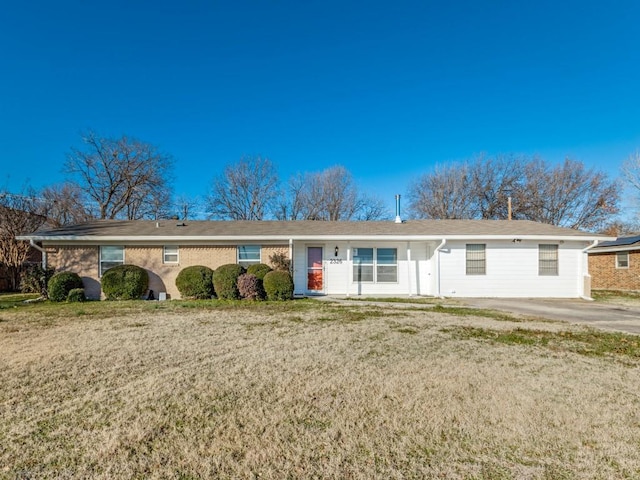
x: 250, y: 287
x: 195, y: 282
x: 125, y: 282
x: 225, y: 281
x: 76, y: 295
x: 278, y: 285
x: 35, y: 279
x: 61, y: 284
x: 259, y: 270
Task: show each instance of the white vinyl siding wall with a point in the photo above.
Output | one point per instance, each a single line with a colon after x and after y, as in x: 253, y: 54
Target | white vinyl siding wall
x: 511, y: 271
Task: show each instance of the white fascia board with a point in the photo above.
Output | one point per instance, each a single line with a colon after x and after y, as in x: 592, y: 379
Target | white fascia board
x: 286, y: 238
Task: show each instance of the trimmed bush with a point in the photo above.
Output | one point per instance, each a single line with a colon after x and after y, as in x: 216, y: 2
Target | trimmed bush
x: 195, y: 282
x: 225, y: 281
x: 259, y: 270
x: 278, y: 285
x: 125, y: 282
x: 250, y: 287
x: 76, y: 295
x: 61, y: 284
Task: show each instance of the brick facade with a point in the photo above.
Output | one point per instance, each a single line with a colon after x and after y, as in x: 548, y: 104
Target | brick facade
x: 605, y: 275
x: 162, y: 276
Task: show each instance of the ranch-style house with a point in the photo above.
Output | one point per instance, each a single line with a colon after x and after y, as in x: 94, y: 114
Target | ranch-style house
x: 451, y: 258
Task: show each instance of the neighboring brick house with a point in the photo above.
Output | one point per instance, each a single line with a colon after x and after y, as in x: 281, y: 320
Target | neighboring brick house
x: 615, y: 265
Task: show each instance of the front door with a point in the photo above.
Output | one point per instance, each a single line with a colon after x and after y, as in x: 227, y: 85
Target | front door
x: 315, y: 282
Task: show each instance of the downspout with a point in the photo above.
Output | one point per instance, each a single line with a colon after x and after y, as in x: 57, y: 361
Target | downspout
x: 585, y: 254
x: 41, y: 250
x: 291, y: 263
x: 436, y: 254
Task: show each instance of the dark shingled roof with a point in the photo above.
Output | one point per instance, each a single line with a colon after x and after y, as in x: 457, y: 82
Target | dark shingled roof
x: 164, y: 229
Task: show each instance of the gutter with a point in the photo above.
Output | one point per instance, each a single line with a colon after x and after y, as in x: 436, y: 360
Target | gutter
x: 437, y: 251
x: 585, y: 251
x: 41, y: 250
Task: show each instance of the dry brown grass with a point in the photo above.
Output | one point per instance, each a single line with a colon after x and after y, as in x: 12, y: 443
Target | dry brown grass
x: 308, y: 391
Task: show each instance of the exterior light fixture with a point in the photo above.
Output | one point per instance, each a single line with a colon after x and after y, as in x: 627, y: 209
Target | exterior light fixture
x: 517, y: 240
x: 336, y: 251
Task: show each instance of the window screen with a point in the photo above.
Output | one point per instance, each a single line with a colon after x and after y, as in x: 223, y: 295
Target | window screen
x: 476, y: 259
x: 547, y: 259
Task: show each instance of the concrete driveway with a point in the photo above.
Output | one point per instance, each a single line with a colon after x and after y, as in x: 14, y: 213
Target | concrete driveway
x: 600, y: 315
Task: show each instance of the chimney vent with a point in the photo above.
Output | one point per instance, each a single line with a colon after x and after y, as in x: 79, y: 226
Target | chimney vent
x: 398, y: 218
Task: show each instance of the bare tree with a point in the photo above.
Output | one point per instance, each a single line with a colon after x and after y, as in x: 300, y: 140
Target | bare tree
x: 246, y: 190
x: 445, y: 193
x: 20, y: 214
x: 569, y: 195
x: 122, y: 178
x: 65, y: 204
x: 566, y: 195
x: 187, y: 207
x: 494, y: 180
x: 328, y: 195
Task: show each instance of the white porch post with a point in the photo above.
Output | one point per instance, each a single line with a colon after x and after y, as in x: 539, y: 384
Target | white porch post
x: 349, y: 269
x: 409, y: 268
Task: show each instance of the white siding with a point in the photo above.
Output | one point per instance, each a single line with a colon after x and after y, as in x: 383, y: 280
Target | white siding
x: 414, y: 278
x: 511, y: 271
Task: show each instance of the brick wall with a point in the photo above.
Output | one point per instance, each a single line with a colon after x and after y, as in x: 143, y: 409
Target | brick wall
x: 162, y: 276
x: 605, y: 275
x: 81, y: 260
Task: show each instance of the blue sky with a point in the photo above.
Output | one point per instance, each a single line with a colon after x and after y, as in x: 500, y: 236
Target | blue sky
x: 387, y: 89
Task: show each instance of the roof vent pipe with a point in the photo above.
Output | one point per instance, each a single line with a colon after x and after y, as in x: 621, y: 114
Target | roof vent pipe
x: 398, y: 219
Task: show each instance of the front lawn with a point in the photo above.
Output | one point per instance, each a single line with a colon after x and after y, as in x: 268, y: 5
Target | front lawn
x: 309, y: 389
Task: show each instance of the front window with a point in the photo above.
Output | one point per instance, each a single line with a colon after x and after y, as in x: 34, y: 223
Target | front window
x: 622, y: 260
x: 476, y: 259
x: 110, y: 256
x: 547, y: 259
x: 379, y: 265
x: 170, y: 254
x: 387, y: 265
x: 363, y: 264
x: 248, y: 255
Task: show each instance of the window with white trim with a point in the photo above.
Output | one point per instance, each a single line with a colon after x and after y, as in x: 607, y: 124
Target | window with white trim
x: 547, y: 259
x: 375, y: 265
x: 248, y: 255
x: 386, y: 265
x: 110, y: 256
x: 170, y: 254
x: 622, y: 259
x: 476, y: 259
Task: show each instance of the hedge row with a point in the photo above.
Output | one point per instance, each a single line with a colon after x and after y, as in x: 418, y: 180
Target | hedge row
x: 228, y: 282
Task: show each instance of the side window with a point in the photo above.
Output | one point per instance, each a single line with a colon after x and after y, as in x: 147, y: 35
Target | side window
x: 110, y: 256
x: 547, y: 259
x: 248, y: 255
x: 170, y: 254
x: 476, y: 259
x: 622, y: 260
